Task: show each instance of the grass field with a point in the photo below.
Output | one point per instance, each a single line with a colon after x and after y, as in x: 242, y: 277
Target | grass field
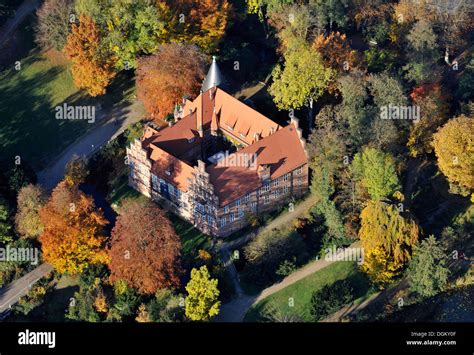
x: 302, y: 290
x: 28, y: 126
x: 191, y: 238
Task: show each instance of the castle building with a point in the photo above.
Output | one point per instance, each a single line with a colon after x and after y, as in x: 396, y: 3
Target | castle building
x: 220, y: 162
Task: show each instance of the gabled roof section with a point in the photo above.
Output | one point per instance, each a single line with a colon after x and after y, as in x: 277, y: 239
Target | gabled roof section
x: 169, y: 168
x: 282, y: 152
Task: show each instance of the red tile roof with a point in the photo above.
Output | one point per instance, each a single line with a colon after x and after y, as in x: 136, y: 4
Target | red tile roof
x: 278, y: 147
x: 282, y: 152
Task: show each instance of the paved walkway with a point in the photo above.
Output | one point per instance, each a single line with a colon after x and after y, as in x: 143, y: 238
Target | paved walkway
x: 10, y: 294
x: 91, y: 142
x: 235, y: 310
x: 26, y: 8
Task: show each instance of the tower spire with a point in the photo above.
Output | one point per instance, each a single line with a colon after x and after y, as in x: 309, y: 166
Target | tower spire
x: 213, y: 77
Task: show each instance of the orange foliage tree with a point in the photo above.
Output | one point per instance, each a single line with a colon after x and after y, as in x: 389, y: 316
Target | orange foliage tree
x: 201, y: 22
x: 145, y: 250
x: 336, y: 52
x: 73, y: 236
x: 92, y: 69
x: 165, y: 77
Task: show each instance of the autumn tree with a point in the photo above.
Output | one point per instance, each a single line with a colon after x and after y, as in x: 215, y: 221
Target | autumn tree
x: 160, y: 83
x: 201, y: 303
x: 53, y: 23
x: 302, y: 80
x: 29, y: 201
x: 376, y: 170
x: 428, y: 272
x: 454, y: 148
x: 73, y: 236
x: 91, y: 68
x: 145, y: 250
x: 76, y: 170
x: 388, y: 237
x: 431, y: 100
x: 336, y: 52
x: 202, y: 23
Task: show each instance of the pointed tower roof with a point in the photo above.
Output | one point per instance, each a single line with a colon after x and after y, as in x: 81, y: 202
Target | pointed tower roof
x: 213, y: 78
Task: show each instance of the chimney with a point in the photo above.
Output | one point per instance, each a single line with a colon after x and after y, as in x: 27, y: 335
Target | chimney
x: 263, y: 172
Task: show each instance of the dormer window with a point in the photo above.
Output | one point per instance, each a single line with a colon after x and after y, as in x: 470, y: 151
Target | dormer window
x: 168, y: 172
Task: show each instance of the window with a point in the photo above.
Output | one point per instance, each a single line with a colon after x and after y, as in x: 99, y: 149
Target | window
x: 286, y: 177
x: 210, y: 220
x: 154, y: 181
x: 132, y: 169
x: 191, y: 140
x: 232, y: 217
x: 247, y: 198
x: 266, y: 199
x: 223, y: 221
x: 286, y: 189
x: 241, y: 213
x: 299, y: 171
x: 276, y: 182
x: 276, y: 193
x: 265, y: 188
x: 226, y: 209
x: 253, y: 206
x: 237, y: 203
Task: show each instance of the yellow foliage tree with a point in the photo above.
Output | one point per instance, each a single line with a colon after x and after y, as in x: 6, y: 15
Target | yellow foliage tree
x: 454, y: 148
x: 387, y: 238
x: 201, y: 22
x: 202, y: 303
x: 91, y: 69
x: 100, y: 303
x: 73, y: 236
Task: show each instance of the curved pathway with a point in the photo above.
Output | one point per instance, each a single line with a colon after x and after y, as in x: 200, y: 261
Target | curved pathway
x: 235, y: 310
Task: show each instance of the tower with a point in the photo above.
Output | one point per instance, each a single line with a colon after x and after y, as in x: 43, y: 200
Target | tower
x: 213, y: 77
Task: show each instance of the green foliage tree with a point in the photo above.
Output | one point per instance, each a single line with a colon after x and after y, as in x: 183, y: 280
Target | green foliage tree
x: 377, y: 172
x: 330, y: 13
x: 201, y: 303
x: 6, y: 234
x: 303, y: 79
x: 422, y: 53
x: 427, y: 272
x: 354, y: 109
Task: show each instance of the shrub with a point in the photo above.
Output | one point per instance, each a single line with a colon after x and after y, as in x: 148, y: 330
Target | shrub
x: 331, y: 298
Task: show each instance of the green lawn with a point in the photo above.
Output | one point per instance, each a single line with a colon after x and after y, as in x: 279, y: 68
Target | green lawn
x: 302, y: 290
x: 28, y: 97
x: 27, y: 100
x: 191, y: 238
